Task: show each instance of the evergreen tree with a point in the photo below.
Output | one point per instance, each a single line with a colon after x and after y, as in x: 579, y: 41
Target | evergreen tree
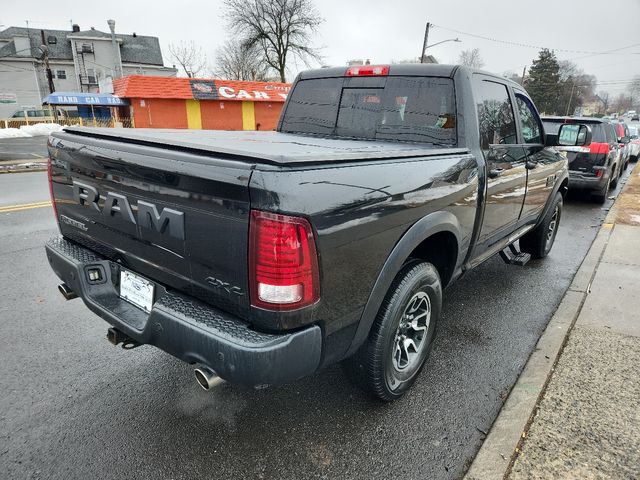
x: 543, y: 82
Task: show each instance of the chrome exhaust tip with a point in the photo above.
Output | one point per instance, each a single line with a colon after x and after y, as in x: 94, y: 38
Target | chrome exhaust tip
x: 207, y: 379
x: 66, y: 292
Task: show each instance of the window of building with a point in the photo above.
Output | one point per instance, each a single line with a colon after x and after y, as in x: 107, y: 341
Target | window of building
x: 61, y: 74
x: 92, y: 78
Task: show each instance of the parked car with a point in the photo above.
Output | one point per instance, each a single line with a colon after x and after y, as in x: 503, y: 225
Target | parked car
x: 595, y: 166
x: 265, y: 256
x: 635, y: 117
x: 622, y: 132
x: 634, y: 143
x: 43, y: 114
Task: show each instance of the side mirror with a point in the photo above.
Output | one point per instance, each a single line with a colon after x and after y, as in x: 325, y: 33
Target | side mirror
x: 623, y: 140
x: 574, y: 135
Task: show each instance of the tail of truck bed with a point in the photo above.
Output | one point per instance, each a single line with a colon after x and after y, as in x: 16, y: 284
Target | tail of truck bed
x: 176, y: 217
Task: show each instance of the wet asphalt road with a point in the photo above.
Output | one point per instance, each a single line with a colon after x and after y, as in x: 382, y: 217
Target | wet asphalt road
x: 29, y: 148
x: 73, y: 406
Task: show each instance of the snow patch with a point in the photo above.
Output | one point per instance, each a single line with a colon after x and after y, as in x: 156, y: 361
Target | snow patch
x: 30, y: 130
x: 12, y: 133
x: 40, y: 129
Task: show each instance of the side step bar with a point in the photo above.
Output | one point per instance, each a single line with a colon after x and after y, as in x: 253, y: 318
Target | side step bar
x: 512, y: 256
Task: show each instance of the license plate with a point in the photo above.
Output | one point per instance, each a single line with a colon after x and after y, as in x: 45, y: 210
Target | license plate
x: 136, y: 290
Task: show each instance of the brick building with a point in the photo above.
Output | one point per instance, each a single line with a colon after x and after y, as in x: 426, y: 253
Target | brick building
x: 198, y: 103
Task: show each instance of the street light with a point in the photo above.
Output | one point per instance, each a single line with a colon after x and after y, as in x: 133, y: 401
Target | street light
x: 426, y: 39
x: 443, y: 41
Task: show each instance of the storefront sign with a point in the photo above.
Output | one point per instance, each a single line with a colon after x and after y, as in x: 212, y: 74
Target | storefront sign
x: 8, y: 98
x: 224, y: 89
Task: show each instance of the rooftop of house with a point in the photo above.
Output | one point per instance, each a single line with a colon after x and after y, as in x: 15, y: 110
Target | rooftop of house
x: 140, y: 86
x: 134, y: 49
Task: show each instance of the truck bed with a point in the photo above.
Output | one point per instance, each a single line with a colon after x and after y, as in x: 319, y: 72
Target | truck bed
x: 266, y: 147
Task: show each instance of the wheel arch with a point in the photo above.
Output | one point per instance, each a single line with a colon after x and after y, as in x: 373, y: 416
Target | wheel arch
x: 438, y: 230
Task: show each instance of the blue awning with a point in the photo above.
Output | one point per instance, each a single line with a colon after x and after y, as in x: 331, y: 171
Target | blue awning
x: 76, y: 98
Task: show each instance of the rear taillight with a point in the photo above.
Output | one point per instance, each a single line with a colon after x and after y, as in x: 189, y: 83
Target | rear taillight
x: 283, y: 263
x: 599, y: 148
x: 368, y: 71
x: 50, y: 178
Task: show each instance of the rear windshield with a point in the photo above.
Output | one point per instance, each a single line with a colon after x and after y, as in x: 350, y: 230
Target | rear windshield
x: 597, y: 129
x: 411, y: 109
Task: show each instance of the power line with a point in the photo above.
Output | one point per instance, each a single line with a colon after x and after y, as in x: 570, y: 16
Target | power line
x: 538, y: 47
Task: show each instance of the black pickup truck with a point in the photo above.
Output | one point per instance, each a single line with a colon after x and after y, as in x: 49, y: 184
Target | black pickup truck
x: 261, y: 257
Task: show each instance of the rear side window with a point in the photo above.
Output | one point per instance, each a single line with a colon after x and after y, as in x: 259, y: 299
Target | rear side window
x: 495, y: 114
x: 313, y: 106
x: 598, y: 132
x: 610, y: 133
x: 412, y: 109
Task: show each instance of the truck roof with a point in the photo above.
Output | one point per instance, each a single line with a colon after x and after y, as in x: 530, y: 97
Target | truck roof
x: 406, y: 69
x: 559, y: 119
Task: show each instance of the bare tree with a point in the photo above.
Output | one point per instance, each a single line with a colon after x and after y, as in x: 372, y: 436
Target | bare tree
x: 622, y: 103
x: 605, y: 99
x: 236, y: 60
x: 189, y: 56
x: 279, y: 28
x: 471, y: 58
x: 634, y: 90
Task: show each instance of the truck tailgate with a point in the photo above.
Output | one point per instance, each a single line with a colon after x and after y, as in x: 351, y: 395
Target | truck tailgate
x: 178, y: 218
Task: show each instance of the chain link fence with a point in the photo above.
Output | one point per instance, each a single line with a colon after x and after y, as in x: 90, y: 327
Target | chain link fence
x: 120, y: 122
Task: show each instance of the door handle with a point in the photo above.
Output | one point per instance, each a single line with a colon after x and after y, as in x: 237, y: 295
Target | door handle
x: 496, y: 172
x: 530, y: 165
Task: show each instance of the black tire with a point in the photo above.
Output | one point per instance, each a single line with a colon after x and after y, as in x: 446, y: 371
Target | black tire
x: 615, y: 175
x: 538, y: 242
x: 377, y: 366
x: 602, y: 195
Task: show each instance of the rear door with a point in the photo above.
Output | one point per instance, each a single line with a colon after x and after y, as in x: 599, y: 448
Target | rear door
x: 505, y: 159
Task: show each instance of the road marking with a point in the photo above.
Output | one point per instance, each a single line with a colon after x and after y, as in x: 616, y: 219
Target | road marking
x: 24, y: 206
x: 36, y: 155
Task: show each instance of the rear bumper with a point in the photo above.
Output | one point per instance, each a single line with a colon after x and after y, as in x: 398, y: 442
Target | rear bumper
x: 187, y: 328
x: 578, y: 180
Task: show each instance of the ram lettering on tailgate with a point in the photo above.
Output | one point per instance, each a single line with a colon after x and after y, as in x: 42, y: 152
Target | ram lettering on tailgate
x: 168, y: 221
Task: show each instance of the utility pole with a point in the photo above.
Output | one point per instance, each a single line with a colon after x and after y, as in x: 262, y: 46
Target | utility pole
x: 116, y: 51
x: 573, y: 86
x: 45, y: 51
x: 424, y: 44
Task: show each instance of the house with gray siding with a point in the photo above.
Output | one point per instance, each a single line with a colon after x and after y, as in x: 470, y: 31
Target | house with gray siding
x: 79, y: 60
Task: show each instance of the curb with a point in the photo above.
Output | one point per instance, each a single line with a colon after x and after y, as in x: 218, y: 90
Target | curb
x: 25, y: 170
x: 20, y: 166
x: 502, y: 445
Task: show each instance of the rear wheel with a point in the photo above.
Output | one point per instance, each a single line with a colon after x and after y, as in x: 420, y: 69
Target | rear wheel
x: 538, y: 242
x: 393, y: 355
x: 615, y: 175
x: 601, y: 195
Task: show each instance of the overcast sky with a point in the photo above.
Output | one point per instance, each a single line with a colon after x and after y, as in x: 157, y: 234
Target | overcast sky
x: 385, y: 30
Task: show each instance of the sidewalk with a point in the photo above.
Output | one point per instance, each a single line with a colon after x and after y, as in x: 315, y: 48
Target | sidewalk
x: 587, y: 420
